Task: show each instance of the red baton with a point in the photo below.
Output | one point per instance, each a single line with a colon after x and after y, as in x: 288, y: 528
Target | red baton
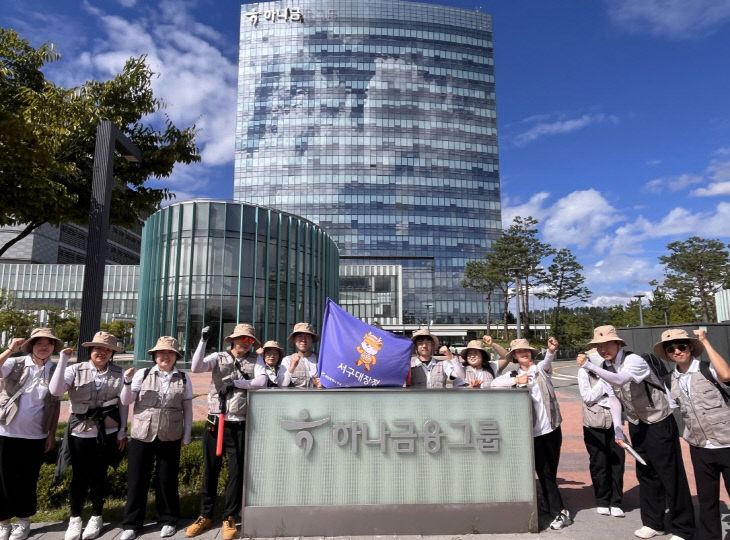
x: 219, y: 441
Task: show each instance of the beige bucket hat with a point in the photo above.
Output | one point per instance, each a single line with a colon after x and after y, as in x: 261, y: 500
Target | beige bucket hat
x: 104, y: 339
x: 423, y: 332
x: 38, y: 333
x: 604, y: 334
x: 271, y: 344
x: 167, y: 343
x: 479, y: 345
x: 677, y: 334
x: 243, y: 330
x: 302, y: 328
x: 520, y: 343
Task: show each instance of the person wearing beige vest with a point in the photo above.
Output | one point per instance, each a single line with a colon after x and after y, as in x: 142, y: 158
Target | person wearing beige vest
x: 300, y: 368
x: 606, y: 459
x: 653, y: 433
x: 427, y: 371
x: 28, y: 420
x: 161, y: 425
x: 702, y: 395
x: 547, y: 435
x: 479, y: 371
x: 96, y: 432
x: 233, y: 372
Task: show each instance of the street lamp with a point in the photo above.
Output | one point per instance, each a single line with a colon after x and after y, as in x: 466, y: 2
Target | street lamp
x: 641, y: 310
x: 516, y: 272
x: 108, y: 137
x: 428, y: 315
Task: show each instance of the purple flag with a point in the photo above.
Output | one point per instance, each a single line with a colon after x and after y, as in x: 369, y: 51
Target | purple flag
x: 353, y: 353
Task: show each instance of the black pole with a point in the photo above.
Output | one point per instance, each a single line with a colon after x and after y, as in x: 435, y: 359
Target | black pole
x: 107, y: 138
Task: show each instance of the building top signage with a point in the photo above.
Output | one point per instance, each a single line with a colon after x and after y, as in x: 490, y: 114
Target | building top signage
x: 293, y: 14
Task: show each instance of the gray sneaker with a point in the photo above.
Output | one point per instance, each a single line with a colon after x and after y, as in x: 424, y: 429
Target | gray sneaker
x: 5, y: 529
x: 21, y: 529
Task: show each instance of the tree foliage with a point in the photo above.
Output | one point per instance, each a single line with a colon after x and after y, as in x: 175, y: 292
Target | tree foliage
x: 48, y: 138
x: 13, y: 321
x: 563, y: 283
x: 478, y: 277
x: 695, y: 270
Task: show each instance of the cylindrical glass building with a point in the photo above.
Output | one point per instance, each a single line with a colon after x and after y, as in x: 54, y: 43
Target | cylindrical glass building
x: 220, y: 263
x: 376, y: 120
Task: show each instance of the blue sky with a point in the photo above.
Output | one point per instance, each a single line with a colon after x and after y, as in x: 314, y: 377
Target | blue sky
x: 614, y: 115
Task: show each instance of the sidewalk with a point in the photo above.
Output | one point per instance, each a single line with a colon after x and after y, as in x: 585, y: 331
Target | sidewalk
x: 573, y: 479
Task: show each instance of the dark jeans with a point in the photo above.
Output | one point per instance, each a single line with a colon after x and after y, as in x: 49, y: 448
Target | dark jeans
x: 663, y: 481
x: 547, y: 457
x: 141, y: 458
x: 20, y: 463
x: 233, y: 440
x: 90, y: 462
x: 606, y: 463
x: 709, y: 465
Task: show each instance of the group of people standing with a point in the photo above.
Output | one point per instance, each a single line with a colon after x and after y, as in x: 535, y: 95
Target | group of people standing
x: 613, y: 383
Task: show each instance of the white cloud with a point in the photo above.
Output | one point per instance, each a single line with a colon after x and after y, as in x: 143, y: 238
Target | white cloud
x: 632, y: 272
x: 713, y: 189
x: 653, y: 162
x: 127, y: 3
x: 578, y: 218
x: 673, y: 183
x: 676, y: 19
x: 534, y: 207
x: 556, y: 127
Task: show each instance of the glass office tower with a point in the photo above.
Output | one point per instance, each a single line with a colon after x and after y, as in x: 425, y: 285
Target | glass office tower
x: 376, y: 120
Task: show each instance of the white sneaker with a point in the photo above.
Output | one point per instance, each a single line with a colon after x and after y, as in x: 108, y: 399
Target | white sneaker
x: 5, y: 529
x: 603, y: 510
x: 93, y: 528
x: 647, y: 532
x: 74, y: 528
x: 128, y: 534
x: 21, y: 529
x: 167, y: 531
x: 617, y: 512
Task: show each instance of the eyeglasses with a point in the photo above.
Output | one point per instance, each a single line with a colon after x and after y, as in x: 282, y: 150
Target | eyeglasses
x: 681, y: 347
x: 247, y: 339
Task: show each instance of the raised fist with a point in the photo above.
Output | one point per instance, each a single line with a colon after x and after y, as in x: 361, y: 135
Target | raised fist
x: 205, y: 333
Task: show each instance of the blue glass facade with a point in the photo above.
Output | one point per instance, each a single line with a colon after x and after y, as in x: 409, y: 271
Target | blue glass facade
x: 377, y: 121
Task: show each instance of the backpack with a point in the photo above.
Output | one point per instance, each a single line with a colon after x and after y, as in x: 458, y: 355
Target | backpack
x: 657, y: 367
x: 722, y: 387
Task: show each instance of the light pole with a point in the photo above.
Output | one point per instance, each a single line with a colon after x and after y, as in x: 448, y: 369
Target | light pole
x: 108, y: 137
x: 428, y: 315
x: 516, y: 272
x: 641, y: 310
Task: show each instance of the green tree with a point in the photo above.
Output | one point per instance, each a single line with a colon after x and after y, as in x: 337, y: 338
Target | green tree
x: 477, y: 277
x: 695, y: 270
x: 48, y: 137
x: 525, y: 258
x: 499, y: 261
x: 13, y: 321
x: 65, y: 322
x: 563, y: 283
x: 121, y: 329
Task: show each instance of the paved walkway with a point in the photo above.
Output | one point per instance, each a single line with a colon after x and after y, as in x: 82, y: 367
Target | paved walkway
x: 573, y: 478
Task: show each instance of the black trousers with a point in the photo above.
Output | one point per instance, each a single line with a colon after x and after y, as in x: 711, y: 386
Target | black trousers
x: 233, y: 440
x: 663, y: 481
x: 709, y: 465
x: 547, y: 457
x: 90, y: 462
x: 142, y: 456
x: 20, y: 464
x: 606, y: 463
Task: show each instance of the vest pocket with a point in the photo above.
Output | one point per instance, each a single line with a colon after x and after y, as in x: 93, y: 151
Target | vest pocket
x: 141, y: 425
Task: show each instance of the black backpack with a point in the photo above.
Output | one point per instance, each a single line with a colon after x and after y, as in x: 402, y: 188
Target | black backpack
x: 657, y: 367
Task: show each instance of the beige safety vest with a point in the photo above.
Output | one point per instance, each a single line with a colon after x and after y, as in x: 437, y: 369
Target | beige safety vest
x: 84, y: 395
x: 13, y: 382
x: 437, y: 377
x: 158, y: 415
x: 636, y: 403
x: 596, y: 416
x: 227, y: 369
x: 706, y: 415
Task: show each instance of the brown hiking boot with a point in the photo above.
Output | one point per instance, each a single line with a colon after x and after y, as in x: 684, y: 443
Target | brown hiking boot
x: 229, y: 528
x: 201, y: 525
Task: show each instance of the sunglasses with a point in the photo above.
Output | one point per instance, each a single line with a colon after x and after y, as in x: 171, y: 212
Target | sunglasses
x: 248, y: 340
x: 681, y: 347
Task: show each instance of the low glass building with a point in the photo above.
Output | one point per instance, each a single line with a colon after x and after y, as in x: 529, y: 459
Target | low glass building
x: 222, y: 263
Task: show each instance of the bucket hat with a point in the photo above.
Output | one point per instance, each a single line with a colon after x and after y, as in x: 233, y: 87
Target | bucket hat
x: 38, y: 333
x: 677, y: 334
x: 302, y: 328
x: 243, y: 330
x: 271, y: 344
x: 520, y: 343
x: 167, y: 343
x: 478, y: 345
x: 604, y: 334
x: 104, y: 339
x: 423, y: 332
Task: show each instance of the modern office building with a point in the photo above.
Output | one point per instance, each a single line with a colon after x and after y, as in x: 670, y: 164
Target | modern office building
x: 377, y: 121
x: 214, y: 263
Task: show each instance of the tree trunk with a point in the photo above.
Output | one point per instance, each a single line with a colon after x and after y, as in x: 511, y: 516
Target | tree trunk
x: 526, y: 305
x: 506, y: 312
x: 489, y: 312
x: 557, y: 319
x: 29, y: 228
